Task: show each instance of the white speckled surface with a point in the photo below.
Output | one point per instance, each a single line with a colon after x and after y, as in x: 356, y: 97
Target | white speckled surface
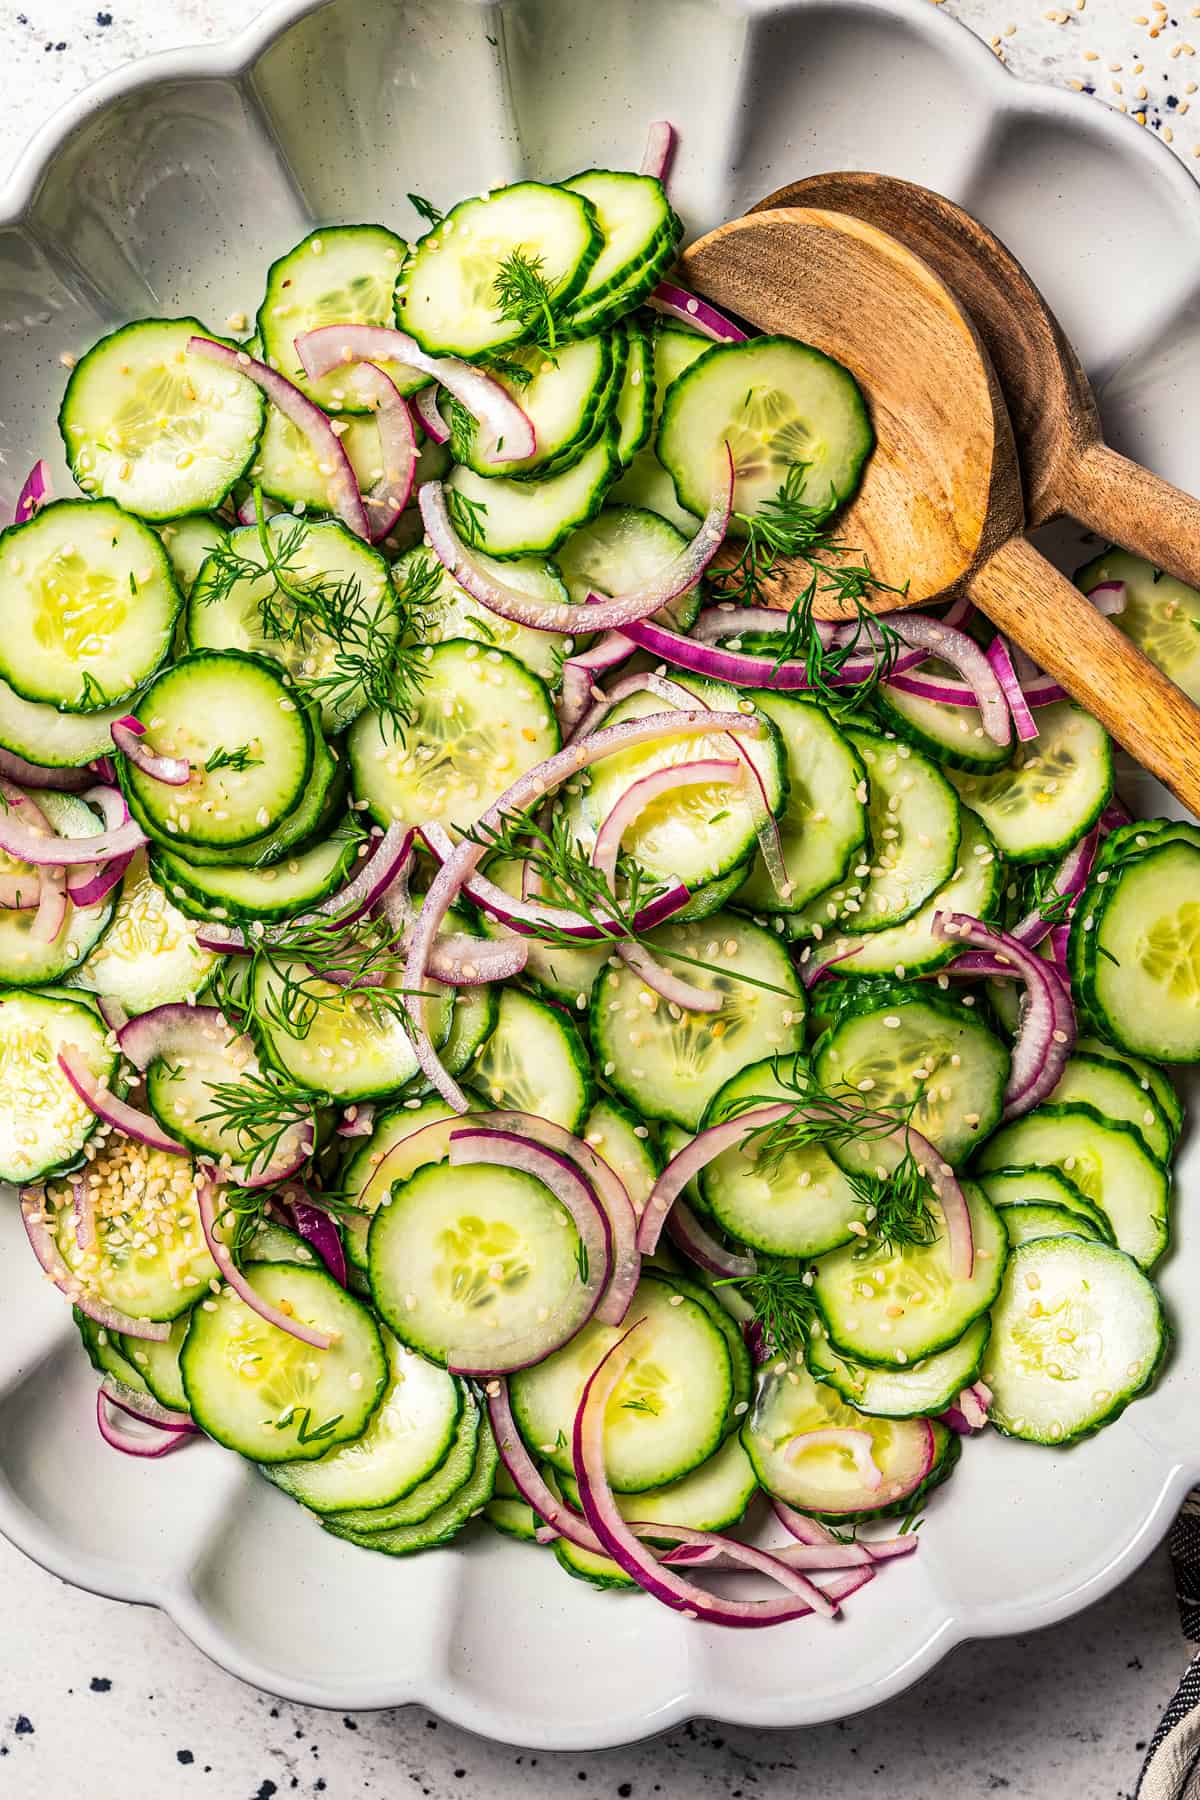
x: 98, y: 1699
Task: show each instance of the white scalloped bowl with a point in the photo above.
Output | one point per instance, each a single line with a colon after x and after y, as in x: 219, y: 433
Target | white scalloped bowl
x: 169, y: 189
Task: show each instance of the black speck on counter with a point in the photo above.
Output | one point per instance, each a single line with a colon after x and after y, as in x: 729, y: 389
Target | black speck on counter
x: 266, y: 1791
x: 185, y: 1757
x: 350, y: 1724
x: 100, y: 1684
x: 23, y: 1726
x: 625, y: 1789
x: 104, y: 19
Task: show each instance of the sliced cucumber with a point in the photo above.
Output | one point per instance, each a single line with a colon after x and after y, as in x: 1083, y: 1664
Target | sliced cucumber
x: 669, y: 1409
x: 149, y: 1257
x: 190, y: 541
x: 90, y: 603
x: 776, y: 403
x: 915, y: 825
x: 1008, y: 1188
x: 337, y: 275
x: 626, y: 1146
x: 233, y: 891
x: 1116, y: 1094
x: 823, y: 1480
x: 922, y: 1389
x: 179, y: 1092
x: 563, y: 971
x: 741, y: 1368
x: 1054, y: 790
x: 1077, y: 1333
x: 452, y: 289
x: 1106, y: 1160
x: 45, y: 1125
x: 712, y: 1498
x: 888, y: 1306
x: 251, y: 613
x: 670, y: 1068
x: 149, y: 955
x: 510, y: 519
x: 646, y: 483
x: 447, y: 1520
x: 290, y: 469
x: 106, y: 1353
x: 447, y: 611
x: 448, y: 1479
x: 798, y: 1204
x: 157, y: 1363
x: 149, y: 424
x: 481, y: 718
x: 622, y: 549
x: 1150, y: 1079
x: 888, y: 1052
x: 1036, y: 1219
x: 58, y: 740
x: 535, y: 1062
x: 508, y: 1513
x: 474, y: 1010
x: 567, y: 396
x: 1140, y: 979
x: 823, y: 826
x: 950, y: 735
x: 915, y: 948
x: 634, y: 411
x: 267, y: 1394
x: 26, y: 960
x: 1161, y: 615
x: 407, y: 1439
x: 461, y: 1258
x: 367, y: 1175
x: 208, y: 707
x: 640, y: 233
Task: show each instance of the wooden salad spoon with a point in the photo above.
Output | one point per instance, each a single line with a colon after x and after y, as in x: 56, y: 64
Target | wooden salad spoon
x: 1066, y: 466
x: 939, y: 511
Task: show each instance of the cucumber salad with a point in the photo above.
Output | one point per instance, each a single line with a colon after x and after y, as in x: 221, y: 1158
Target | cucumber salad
x: 500, y: 1023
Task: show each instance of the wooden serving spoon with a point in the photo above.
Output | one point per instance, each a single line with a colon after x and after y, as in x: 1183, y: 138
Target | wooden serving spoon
x: 939, y: 511
x: 1066, y: 466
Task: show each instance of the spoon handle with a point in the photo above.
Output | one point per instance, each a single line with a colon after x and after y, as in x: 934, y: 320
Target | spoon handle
x: 1053, y: 622
x: 1134, y: 508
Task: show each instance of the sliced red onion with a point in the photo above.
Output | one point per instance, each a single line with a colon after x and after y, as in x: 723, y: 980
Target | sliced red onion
x: 127, y: 735
x: 247, y: 512
x: 725, y: 620
x: 346, y: 907
x: 1114, y: 814
x: 833, y: 1551
x: 83, y: 1202
x: 119, y: 1436
x: 529, y: 790
x: 961, y: 652
x: 1069, y: 879
x: 316, y: 1227
x: 432, y: 422
x: 398, y: 442
x: 357, y: 1121
x: 24, y: 839
x: 508, y: 433
x: 33, y: 775
x: 579, y: 675
x: 1108, y: 597
x: 688, y: 1234
x: 970, y: 1410
x: 631, y: 803
x: 306, y: 417
x: 814, y: 972
x: 51, y: 913
x: 145, y: 1407
x: 600, y: 613
x: 621, y: 1543
x: 677, y: 303
x: 41, y: 1240
x: 999, y: 659
x: 527, y: 1477
x: 206, y: 1200
x: 112, y: 1012
x: 481, y: 1144
x: 118, y: 1113
x: 457, y: 958
x: 739, y: 668
x: 34, y: 492
x: 1045, y: 691
x: 860, y: 1445
x: 1047, y: 1029
x: 660, y: 148
x: 88, y: 886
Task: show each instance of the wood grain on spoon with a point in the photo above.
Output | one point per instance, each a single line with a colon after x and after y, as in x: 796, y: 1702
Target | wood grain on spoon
x: 940, y: 510
x: 1066, y: 466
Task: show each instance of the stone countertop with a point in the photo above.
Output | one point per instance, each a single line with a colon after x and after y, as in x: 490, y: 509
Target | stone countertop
x: 99, y: 1699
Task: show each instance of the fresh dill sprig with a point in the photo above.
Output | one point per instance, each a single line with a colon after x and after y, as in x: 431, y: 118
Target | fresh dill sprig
x: 466, y: 516
x: 317, y: 964
x: 417, y: 584
x: 238, y: 760
x: 91, y: 694
x: 780, y: 1293
x: 509, y: 369
x: 257, y: 1111
x: 426, y: 209
x: 524, y: 295
x: 790, y: 526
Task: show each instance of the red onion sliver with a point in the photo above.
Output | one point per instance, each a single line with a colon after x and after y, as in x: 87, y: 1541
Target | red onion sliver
x: 689, y: 309
x: 347, y: 906
x: 51, y: 913
x: 89, y: 886
x: 936, y: 638
x: 145, y: 1407
x: 118, y: 1113
x: 660, y: 148
x: 725, y: 620
x: 306, y: 417
x: 83, y: 1202
x: 398, y: 443
x: 579, y: 675
x: 33, y: 775
x: 41, y: 1241
x: 859, y: 1444
x: 1000, y: 660
x: 527, y: 1478
x: 34, y: 493
x: 247, y: 513
x: 432, y: 423
x: 1047, y: 1030
x: 221, y: 1255
x: 1109, y: 598
x: 28, y: 841
x: 742, y: 669
x: 1069, y: 878
x: 689, y: 1235
x: 119, y: 1436
x: 815, y: 1537
x: 357, y: 1121
x: 508, y: 434
x: 316, y: 1227
x: 127, y: 735
x: 456, y: 958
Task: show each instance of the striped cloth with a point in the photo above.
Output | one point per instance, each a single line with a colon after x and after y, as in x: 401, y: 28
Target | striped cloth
x: 1172, y: 1767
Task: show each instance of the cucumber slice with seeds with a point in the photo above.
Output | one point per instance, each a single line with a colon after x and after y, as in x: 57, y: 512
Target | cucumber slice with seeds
x: 90, y: 603
x: 1077, y: 1333
x: 1008, y: 1188
x: 213, y: 891
x: 1161, y: 615
x: 316, y: 812
x: 447, y: 1520
x: 950, y: 735
x: 634, y: 410
x: 922, y: 1389
x: 447, y: 295
x: 566, y: 396
x: 626, y: 1146
x: 1116, y: 1094
x: 823, y: 825
x: 57, y: 740
x: 1150, y: 1079
x: 668, y: 1068
x: 190, y: 541
x: 1054, y: 790
x: 777, y: 403
x: 619, y: 551
x: 450, y: 612
x: 365, y: 1181
x: 27, y: 961
x: 915, y: 825
x: 268, y: 1395
x: 149, y: 424
x: 1036, y: 1219
x: 46, y: 1124
x: 149, y: 955
x: 1106, y: 1160
x: 337, y: 275
x: 531, y: 518
x: 639, y: 230
x: 535, y: 1062
x: 204, y: 707
x: 480, y: 719
x: 1142, y: 953
x: 449, y: 1479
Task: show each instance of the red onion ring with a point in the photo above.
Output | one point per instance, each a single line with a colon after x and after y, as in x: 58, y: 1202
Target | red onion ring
x: 689, y: 1235
x: 306, y: 417
x: 579, y: 676
x: 432, y: 422
x: 660, y: 148
x: 221, y: 1255
x: 34, y: 493
x: 1000, y: 661
x: 691, y: 310
x: 398, y: 442
x: 1047, y: 1029
x: 119, y: 1437
x: 146, y: 1408
x: 41, y: 1242
x: 33, y: 775
x: 345, y: 907
x: 357, y: 1120
x: 738, y: 668
x: 503, y: 421
x: 24, y: 838
x: 457, y: 959
x: 725, y: 620
x: 127, y: 735
x: 115, y: 1112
